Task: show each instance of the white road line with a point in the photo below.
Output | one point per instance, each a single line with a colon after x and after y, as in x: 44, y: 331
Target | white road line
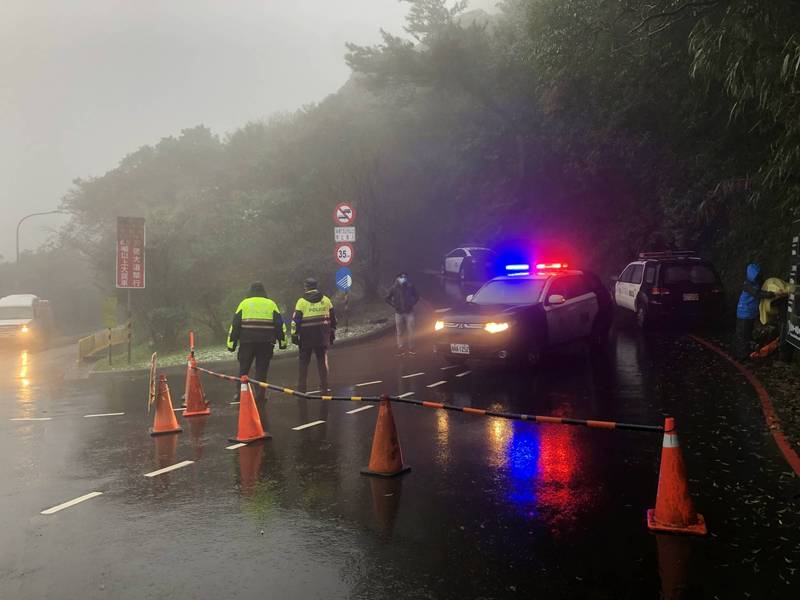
x: 406, y: 395
x: 464, y: 374
x: 179, y: 409
x: 103, y: 415
x: 179, y: 465
x: 366, y: 383
x: 412, y: 375
x: 437, y: 384
x: 55, y: 509
x: 312, y: 424
x: 441, y: 310
x: 32, y: 419
x: 448, y: 368
x: 234, y: 446
x: 314, y: 392
x: 234, y: 403
x: 355, y: 410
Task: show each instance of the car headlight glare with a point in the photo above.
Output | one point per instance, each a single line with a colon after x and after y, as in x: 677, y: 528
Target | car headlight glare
x: 438, y: 326
x: 495, y: 327
x: 24, y: 329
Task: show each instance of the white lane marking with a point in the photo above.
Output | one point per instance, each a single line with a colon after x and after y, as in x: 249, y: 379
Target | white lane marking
x: 234, y: 403
x: 314, y: 392
x: 366, y: 383
x: 464, y: 374
x: 406, y: 395
x: 234, y: 446
x: 312, y: 424
x: 355, y: 410
x: 412, y: 375
x: 179, y: 465
x: 179, y: 409
x: 103, y: 415
x: 32, y: 419
x: 55, y: 509
x: 448, y: 368
x: 441, y: 310
x: 437, y: 384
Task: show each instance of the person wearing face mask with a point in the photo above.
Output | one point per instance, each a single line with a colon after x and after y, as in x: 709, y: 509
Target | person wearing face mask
x: 403, y: 297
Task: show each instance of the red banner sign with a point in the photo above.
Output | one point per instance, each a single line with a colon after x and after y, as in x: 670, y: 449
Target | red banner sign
x: 130, y: 252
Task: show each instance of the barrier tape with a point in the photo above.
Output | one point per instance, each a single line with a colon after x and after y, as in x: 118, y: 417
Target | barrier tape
x: 541, y: 419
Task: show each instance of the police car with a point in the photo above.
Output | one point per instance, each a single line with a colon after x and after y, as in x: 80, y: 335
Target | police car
x: 664, y: 285
x: 791, y: 330
x: 469, y: 263
x: 518, y: 316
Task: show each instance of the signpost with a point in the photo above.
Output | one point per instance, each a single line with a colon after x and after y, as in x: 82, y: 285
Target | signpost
x: 130, y: 262
x: 344, y: 235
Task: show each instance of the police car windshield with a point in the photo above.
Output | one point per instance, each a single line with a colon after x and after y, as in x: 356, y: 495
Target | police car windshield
x: 510, y: 291
x: 16, y: 312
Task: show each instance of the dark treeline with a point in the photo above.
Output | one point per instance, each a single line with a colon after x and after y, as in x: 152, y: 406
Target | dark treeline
x: 609, y: 126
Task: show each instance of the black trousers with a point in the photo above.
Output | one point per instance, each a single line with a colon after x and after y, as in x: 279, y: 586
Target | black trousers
x: 744, y: 335
x: 261, y: 353
x: 321, y: 353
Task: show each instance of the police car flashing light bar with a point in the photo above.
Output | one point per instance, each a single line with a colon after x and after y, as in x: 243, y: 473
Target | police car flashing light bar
x: 517, y: 268
x: 551, y: 266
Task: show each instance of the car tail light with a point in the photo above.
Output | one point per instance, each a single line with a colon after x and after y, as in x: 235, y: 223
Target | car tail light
x: 656, y: 291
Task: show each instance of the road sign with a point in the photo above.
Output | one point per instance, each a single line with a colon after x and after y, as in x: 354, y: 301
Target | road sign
x: 344, y: 253
x: 344, y: 234
x: 130, y: 252
x: 344, y: 279
x: 345, y: 214
x: 110, y: 312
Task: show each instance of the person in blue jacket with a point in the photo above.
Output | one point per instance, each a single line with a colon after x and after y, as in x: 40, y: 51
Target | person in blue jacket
x: 747, y: 309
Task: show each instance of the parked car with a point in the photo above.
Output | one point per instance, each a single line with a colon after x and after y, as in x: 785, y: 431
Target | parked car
x: 469, y: 263
x: 517, y: 317
x: 664, y: 286
x: 25, y: 319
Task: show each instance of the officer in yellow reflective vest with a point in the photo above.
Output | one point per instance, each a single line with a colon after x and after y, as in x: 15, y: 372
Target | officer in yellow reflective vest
x: 256, y: 325
x: 313, y: 329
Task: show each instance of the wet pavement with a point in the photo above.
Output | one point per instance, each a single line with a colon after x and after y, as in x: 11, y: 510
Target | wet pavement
x: 491, y: 508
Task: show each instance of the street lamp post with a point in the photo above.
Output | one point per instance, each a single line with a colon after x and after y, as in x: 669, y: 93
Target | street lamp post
x: 49, y: 212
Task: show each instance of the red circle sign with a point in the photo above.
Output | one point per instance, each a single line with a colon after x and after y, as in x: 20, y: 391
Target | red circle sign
x: 344, y: 254
x: 344, y: 214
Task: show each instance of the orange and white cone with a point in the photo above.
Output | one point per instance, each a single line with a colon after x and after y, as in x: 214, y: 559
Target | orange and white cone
x: 164, y: 421
x: 386, y: 458
x: 250, y: 429
x: 674, y: 511
x: 196, y: 404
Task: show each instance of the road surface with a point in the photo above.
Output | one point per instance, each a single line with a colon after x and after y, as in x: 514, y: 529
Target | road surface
x: 491, y: 508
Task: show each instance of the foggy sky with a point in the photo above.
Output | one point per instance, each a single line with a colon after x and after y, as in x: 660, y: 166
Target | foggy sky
x: 84, y: 82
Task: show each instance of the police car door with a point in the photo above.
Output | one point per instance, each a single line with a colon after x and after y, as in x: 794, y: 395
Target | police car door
x: 586, y: 306
x: 621, y: 286
x: 559, y: 321
x: 452, y: 262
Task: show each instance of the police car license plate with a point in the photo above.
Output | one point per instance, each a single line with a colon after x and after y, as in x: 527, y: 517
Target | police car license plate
x: 691, y: 297
x: 459, y: 348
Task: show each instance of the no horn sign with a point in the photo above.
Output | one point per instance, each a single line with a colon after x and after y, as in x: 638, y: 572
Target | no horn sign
x: 344, y: 254
x: 345, y: 214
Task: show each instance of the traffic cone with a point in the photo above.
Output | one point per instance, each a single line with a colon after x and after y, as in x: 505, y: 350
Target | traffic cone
x: 196, y: 404
x: 674, y: 511
x: 386, y: 458
x: 250, y: 428
x: 164, y: 421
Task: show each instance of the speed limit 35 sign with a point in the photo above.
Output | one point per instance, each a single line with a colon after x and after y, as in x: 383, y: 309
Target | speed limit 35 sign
x: 344, y: 253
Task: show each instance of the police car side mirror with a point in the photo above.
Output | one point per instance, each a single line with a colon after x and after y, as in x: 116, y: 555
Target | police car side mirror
x: 470, y: 297
x: 556, y: 299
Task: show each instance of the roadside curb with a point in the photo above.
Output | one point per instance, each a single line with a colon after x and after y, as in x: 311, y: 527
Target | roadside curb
x: 770, y: 416
x: 180, y: 368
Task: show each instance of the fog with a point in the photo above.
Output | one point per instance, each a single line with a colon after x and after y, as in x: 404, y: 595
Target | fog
x: 84, y: 82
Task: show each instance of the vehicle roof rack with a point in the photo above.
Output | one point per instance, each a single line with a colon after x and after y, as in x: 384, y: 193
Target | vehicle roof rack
x: 669, y: 254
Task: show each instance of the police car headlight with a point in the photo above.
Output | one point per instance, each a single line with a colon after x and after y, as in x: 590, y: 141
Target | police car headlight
x: 495, y: 327
x: 438, y: 326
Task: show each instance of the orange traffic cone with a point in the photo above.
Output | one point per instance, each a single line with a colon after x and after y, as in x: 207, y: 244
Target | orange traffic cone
x: 165, y: 421
x: 196, y: 404
x: 250, y: 428
x: 386, y: 459
x: 674, y: 511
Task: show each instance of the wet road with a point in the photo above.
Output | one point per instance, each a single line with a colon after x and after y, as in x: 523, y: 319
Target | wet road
x: 491, y: 508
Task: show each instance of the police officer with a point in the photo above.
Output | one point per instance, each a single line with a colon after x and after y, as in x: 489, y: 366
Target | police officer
x: 256, y: 325
x: 313, y: 329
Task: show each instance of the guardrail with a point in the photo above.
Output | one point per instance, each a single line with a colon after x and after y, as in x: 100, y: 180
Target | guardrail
x: 91, y: 345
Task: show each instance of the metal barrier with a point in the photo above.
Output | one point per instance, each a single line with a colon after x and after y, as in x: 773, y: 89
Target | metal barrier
x: 99, y: 341
x: 541, y: 419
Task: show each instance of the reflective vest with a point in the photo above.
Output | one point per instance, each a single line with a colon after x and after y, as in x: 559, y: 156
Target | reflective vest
x: 312, y: 321
x: 257, y: 320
